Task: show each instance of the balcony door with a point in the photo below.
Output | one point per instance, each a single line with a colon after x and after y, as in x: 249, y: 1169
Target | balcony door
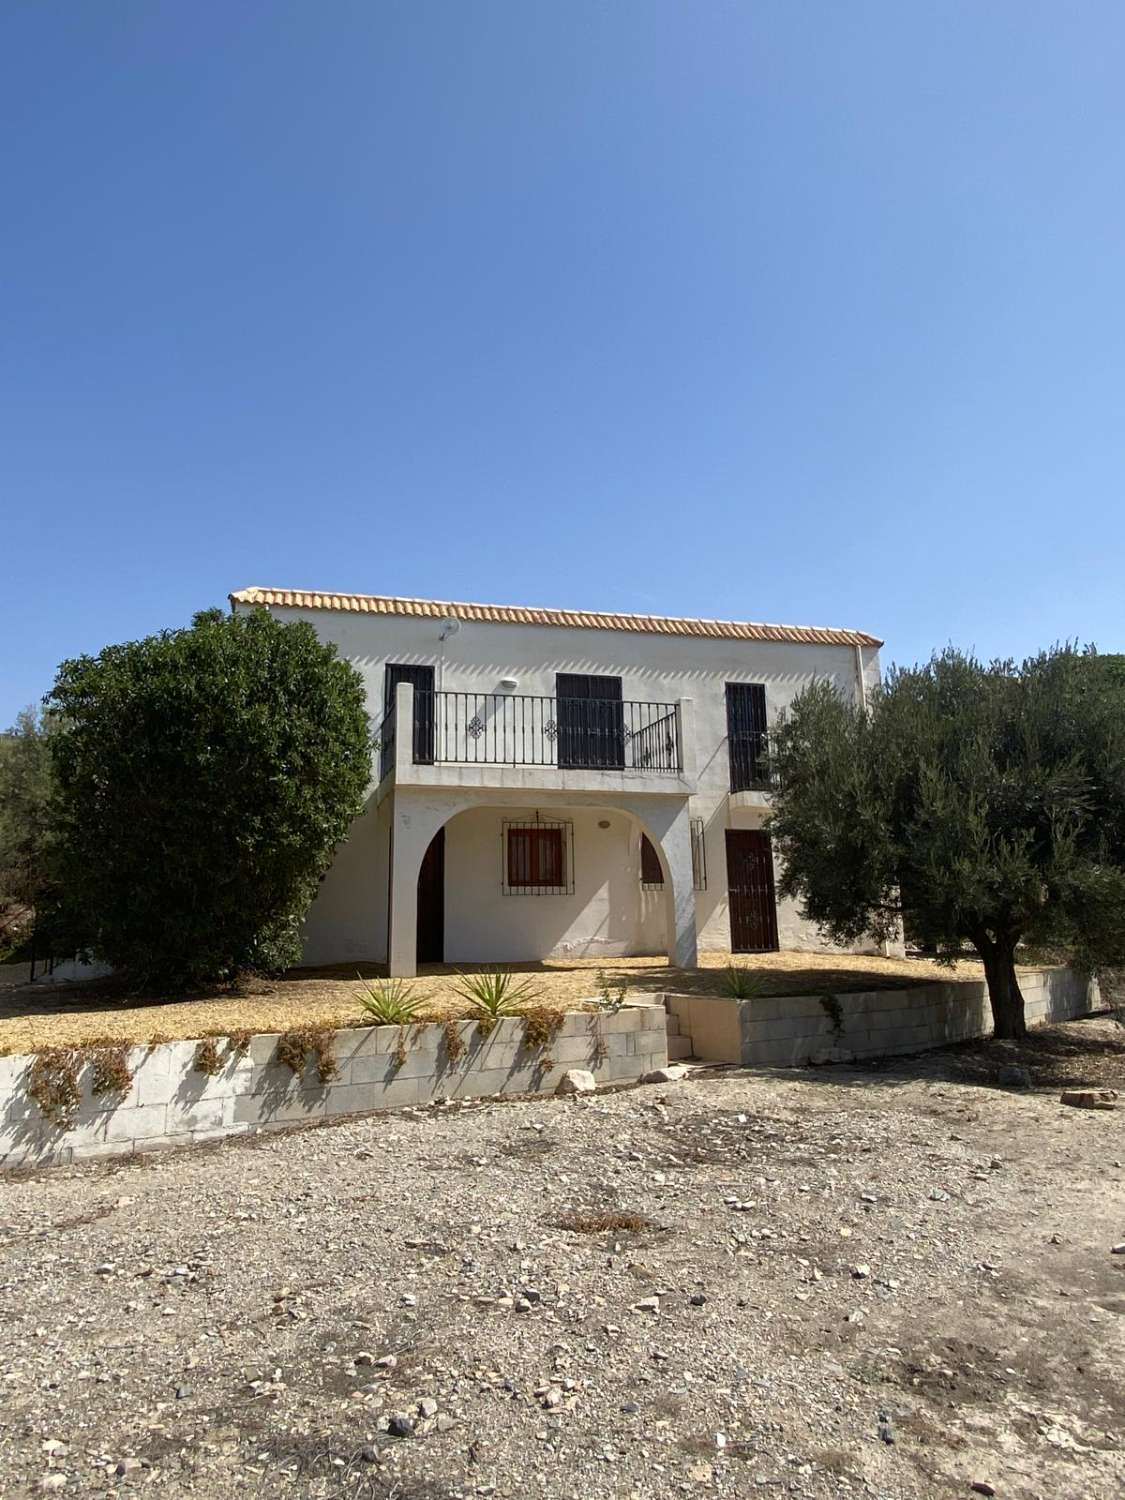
x: 591, y: 722
x: 746, y: 736
x: 423, y: 680
x: 750, y: 892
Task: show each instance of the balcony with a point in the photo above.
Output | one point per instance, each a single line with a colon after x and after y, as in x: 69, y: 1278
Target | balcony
x: 752, y: 772
x: 548, y: 741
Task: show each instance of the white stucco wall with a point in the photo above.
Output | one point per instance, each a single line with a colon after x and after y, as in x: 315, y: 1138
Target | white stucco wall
x: 608, y: 913
x: 349, y: 922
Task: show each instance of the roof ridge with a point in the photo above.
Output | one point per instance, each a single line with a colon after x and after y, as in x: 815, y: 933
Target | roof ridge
x: 391, y: 604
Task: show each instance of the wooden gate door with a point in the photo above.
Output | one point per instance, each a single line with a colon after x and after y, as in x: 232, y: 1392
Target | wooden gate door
x: 431, y: 903
x: 753, y: 906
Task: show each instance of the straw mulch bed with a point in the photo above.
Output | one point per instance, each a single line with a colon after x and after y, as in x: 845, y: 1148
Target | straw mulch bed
x: 36, y: 1016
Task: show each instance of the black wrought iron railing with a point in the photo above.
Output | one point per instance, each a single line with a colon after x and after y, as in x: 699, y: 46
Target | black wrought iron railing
x: 751, y: 768
x: 518, y: 729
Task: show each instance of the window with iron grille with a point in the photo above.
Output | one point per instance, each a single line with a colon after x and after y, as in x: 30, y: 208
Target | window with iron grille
x: 652, y: 876
x: 538, y: 858
x: 698, y: 856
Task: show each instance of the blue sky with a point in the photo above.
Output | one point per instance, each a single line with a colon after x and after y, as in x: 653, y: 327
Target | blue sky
x: 784, y: 311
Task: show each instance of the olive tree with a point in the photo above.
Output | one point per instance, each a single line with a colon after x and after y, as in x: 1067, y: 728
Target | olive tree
x: 978, y: 804
x: 203, y: 778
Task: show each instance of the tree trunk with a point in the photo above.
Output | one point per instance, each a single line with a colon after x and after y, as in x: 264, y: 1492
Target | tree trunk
x: 1004, y: 994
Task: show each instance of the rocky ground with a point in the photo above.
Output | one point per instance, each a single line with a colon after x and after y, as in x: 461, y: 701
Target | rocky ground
x: 894, y: 1282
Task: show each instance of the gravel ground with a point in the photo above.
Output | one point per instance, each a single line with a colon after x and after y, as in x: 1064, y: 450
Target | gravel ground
x: 67, y: 1015
x: 892, y: 1282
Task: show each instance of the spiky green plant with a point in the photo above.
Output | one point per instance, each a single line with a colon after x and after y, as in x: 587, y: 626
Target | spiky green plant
x: 497, y: 994
x: 390, y: 1002
x: 741, y: 983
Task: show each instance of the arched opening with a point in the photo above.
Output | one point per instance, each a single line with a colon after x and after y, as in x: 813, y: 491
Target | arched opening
x: 430, y: 942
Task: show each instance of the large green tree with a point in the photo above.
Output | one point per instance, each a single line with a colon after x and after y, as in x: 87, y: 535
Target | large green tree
x: 203, y: 779
x: 25, y: 784
x: 978, y: 804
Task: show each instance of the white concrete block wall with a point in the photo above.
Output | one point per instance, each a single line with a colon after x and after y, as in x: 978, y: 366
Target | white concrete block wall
x: 794, y: 1030
x: 170, y: 1102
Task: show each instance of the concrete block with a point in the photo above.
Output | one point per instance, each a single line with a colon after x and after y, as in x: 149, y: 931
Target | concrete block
x: 383, y: 1069
x: 298, y: 1104
x: 263, y: 1048
x: 207, y: 1114
x: 576, y: 1049
x: 364, y: 1098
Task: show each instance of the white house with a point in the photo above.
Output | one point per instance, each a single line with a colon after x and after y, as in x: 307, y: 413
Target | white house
x: 549, y: 782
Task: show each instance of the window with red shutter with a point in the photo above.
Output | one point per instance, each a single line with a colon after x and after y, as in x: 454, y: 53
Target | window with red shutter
x: 536, y: 858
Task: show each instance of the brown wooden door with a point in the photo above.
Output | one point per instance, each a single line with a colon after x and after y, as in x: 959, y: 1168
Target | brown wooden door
x: 431, y: 903
x: 753, y: 906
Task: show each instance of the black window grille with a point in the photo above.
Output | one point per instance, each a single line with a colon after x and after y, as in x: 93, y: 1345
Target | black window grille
x: 698, y: 855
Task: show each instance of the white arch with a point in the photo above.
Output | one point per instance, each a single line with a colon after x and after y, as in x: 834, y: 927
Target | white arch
x: 417, y: 816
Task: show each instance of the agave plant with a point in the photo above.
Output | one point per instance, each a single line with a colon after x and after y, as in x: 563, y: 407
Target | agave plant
x: 497, y: 994
x: 741, y: 983
x: 390, y: 1002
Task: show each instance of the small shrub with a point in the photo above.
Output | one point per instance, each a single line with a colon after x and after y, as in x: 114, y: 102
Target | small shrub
x: 52, y: 1081
x: 390, y: 1002
x: 740, y: 983
x: 599, y: 1223
x: 494, y: 995
x: 301, y: 1042
x: 157, y: 1039
x: 207, y: 1059
x: 239, y: 1043
x: 609, y: 999
x: 111, y: 1074
x: 541, y: 1025
x: 455, y: 1048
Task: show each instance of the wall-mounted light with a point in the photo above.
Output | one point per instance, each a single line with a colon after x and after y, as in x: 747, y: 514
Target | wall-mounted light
x: 509, y: 684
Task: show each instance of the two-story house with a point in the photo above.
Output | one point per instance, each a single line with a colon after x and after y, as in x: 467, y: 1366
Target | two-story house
x: 552, y: 783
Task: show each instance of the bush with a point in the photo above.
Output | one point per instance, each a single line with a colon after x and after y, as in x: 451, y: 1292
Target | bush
x: 203, y: 780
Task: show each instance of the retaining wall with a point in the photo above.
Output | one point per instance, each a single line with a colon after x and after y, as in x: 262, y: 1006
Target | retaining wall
x: 170, y: 1102
x: 793, y: 1030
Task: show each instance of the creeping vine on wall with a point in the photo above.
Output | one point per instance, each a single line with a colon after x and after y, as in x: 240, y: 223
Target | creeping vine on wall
x: 301, y: 1042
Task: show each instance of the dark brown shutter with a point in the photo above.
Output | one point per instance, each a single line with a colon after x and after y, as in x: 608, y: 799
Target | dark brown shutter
x: 651, y: 873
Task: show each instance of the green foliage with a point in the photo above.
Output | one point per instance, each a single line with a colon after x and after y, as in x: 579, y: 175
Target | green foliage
x: 203, y: 780
x: 25, y: 787
x: 980, y: 804
x: 741, y: 983
x: 610, y: 998
x: 390, y: 1002
x: 495, y: 995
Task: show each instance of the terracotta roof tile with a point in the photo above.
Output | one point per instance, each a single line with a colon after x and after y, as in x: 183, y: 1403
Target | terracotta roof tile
x: 512, y: 614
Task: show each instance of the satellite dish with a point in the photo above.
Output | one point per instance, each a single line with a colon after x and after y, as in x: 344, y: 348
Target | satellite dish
x: 448, y: 628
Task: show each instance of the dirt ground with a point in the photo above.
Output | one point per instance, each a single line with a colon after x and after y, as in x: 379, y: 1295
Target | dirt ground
x: 33, y: 1016
x: 893, y: 1281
